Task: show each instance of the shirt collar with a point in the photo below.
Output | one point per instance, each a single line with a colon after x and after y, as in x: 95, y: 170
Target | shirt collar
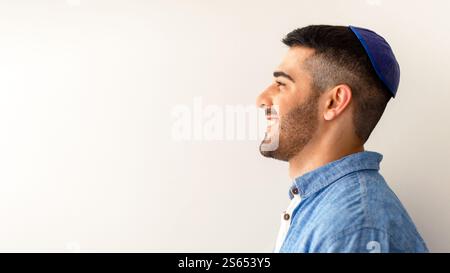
x: 313, y: 181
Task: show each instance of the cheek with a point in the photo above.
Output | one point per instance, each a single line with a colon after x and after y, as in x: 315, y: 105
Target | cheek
x: 283, y: 109
x: 287, y: 103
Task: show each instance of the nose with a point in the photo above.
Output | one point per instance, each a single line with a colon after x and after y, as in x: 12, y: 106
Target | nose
x: 264, y: 99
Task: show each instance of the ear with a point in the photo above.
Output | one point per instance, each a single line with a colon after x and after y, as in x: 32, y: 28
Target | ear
x: 337, y: 100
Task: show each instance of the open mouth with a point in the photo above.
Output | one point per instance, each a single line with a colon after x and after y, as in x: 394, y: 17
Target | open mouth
x: 271, y: 116
x: 273, y: 125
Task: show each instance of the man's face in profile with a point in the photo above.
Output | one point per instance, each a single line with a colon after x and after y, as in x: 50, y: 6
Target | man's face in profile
x: 291, y: 107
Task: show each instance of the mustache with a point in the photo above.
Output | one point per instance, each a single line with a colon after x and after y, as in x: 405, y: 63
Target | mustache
x: 271, y: 111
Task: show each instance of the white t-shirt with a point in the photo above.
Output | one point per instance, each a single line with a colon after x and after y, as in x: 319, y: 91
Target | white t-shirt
x: 286, y: 218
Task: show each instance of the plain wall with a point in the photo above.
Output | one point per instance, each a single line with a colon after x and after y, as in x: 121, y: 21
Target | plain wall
x: 87, y: 90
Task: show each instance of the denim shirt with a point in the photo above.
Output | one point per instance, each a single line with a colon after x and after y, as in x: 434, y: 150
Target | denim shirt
x: 346, y: 206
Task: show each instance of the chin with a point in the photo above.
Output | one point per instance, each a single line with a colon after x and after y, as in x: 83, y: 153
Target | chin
x: 275, y: 153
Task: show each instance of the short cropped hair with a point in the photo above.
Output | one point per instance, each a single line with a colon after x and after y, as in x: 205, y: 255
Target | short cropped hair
x: 339, y: 58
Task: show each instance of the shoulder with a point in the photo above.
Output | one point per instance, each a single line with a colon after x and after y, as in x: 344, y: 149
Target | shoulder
x: 360, y: 198
x: 362, y: 214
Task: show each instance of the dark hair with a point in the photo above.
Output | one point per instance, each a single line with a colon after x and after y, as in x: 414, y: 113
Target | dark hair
x: 339, y: 58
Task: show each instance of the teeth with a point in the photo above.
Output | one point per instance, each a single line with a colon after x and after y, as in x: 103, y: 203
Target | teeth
x: 272, y: 121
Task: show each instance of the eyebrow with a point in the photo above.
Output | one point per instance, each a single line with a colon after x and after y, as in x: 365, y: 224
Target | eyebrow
x: 282, y: 74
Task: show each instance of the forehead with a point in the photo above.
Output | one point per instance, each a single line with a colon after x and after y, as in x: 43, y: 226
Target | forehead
x: 294, y: 59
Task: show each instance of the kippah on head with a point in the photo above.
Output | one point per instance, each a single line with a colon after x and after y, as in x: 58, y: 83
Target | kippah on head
x: 381, y: 56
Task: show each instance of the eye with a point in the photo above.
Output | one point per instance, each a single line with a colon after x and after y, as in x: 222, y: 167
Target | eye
x: 280, y: 83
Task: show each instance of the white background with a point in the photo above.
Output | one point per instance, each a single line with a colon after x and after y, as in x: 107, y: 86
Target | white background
x: 87, y: 160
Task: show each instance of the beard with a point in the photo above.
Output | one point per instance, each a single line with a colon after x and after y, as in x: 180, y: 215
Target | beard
x: 294, y: 131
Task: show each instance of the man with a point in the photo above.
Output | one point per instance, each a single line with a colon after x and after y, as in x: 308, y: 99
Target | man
x: 328, y: 94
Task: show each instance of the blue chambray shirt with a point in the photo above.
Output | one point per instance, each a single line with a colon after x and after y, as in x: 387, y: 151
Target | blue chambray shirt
x: 346, y: 206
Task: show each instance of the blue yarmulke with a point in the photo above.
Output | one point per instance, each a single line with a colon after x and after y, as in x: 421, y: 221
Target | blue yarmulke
x: 381, y: 56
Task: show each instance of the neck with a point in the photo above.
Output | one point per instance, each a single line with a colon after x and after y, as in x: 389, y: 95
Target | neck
x: 315, y: 155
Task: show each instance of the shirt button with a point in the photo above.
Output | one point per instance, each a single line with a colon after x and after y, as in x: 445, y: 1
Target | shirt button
x: 286, y: 216
x: 295, y: 191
